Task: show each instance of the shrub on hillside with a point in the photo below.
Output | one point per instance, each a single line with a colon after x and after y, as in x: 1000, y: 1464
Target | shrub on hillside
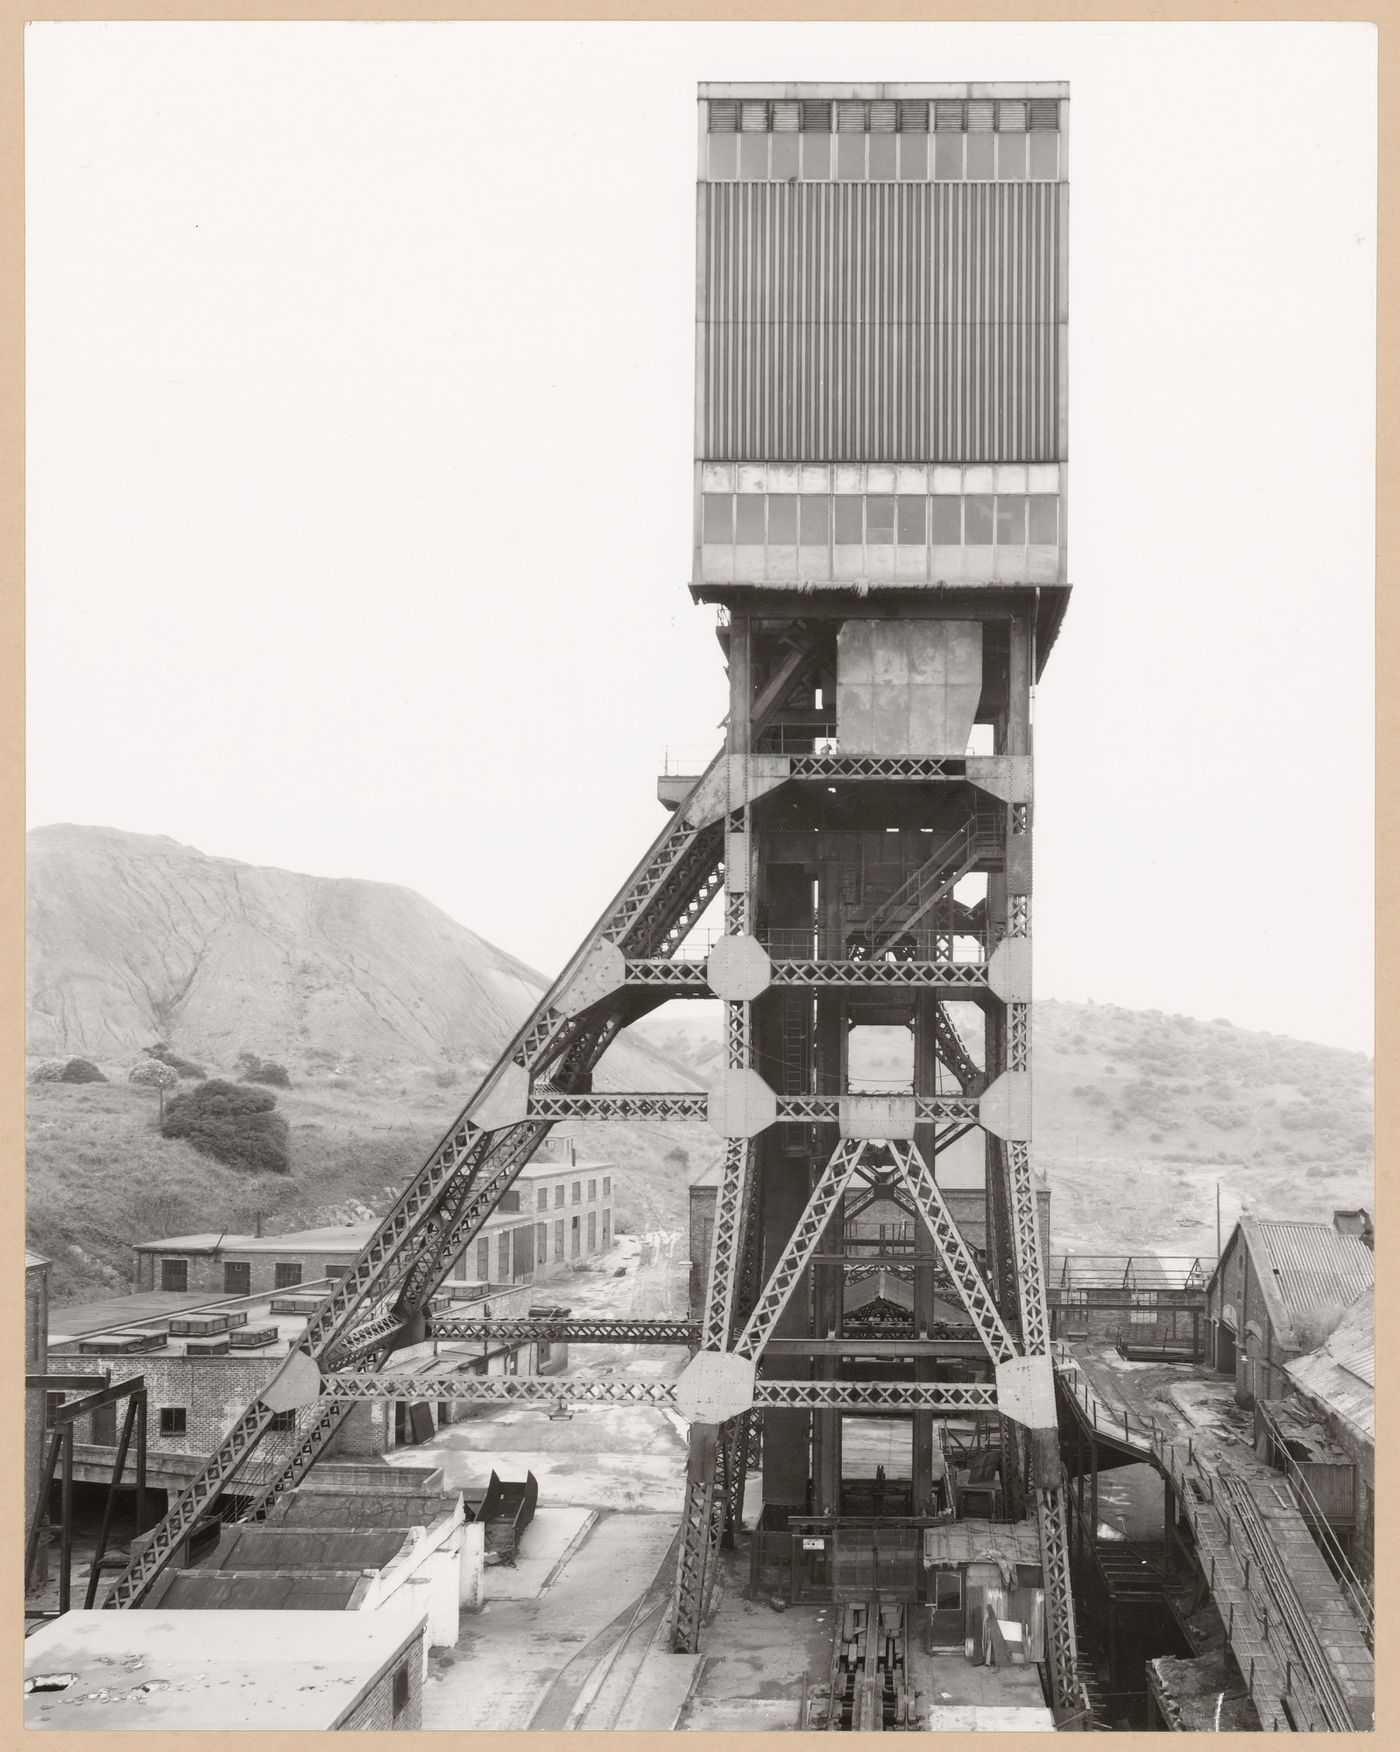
x: 47, y: 1071
x: 79, y: 1070
x: 182, y: 1067
x: 235, y: 1126
x: 256, y: 1070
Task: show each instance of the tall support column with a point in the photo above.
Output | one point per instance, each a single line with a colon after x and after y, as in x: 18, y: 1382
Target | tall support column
x: 829, y: 1278
x: 715, y: 1466
x: 925, y: 1440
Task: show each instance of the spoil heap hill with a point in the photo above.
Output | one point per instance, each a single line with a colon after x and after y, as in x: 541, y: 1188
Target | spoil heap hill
x: 386, y: 1013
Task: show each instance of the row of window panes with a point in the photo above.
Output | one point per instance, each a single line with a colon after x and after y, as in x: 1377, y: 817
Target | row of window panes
x: 854, y: 520
x: 882, y: 115
x: 542, y: 1196
x: 884, y: 157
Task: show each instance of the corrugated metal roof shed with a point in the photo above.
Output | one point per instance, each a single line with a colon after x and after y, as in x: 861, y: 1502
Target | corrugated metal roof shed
x: 1341, y: 1373
x: 1313, y: 1265
x: 974, y: 1541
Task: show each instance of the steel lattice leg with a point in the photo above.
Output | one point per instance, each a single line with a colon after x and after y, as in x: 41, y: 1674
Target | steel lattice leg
x: 701, y: 1527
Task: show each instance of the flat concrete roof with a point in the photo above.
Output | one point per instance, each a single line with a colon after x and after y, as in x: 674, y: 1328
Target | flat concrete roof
x: 281, y: 1671
x: 82, y: 1319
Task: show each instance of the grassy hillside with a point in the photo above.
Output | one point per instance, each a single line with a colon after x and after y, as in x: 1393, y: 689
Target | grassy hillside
x: 99, y: 1176
x: 1139, y: 1114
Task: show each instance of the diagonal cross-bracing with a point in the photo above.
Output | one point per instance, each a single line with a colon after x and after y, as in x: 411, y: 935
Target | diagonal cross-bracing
x: 796, y: 1256
x: 957, y: 1260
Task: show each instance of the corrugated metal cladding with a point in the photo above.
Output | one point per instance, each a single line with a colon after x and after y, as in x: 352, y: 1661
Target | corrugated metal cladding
x: 882, y: 322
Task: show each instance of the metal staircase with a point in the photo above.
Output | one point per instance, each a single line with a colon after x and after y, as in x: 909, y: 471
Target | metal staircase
x: 977, y: 839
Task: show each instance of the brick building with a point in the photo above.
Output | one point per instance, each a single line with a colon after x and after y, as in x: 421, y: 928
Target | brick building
x: 207, y: 1357
x: 558, y: 1214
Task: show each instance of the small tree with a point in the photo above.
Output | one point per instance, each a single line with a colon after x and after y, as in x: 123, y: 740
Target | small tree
x: 154, y: 1073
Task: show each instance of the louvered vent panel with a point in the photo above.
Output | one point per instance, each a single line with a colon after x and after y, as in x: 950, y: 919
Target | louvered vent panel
x: 1045, y: 112
x: 786, y: 118
x: 850, y: 118
x: 913, y: 116
x: 981, y: 115
x: 724, y: 117
x: 948, y: 116
x: 753, y: 118
x: 882, y: 322
x: 882, y: 115
x: 1011, y: 117
x: 816, y: 116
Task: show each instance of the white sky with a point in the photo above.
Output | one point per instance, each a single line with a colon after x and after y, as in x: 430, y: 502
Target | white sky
x: 360, y: 412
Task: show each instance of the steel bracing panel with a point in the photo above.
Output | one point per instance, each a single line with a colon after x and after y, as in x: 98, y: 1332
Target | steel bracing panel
x: 573, y: 1330
x: 797, y: 1255
x: 957, y: 1260
x: 448, y: 1200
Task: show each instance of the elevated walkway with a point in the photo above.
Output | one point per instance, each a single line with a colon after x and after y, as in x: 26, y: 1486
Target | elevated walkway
x: 1299, y: 1646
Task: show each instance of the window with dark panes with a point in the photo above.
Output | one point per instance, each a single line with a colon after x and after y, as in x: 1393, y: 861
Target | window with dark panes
x: 483, y: 1261
x: 881, y: 163
x: 913, y: 157
x: 753, y: 157
x: 576, y: 1192
x: 977, y: 519
x: 946, y: 520
x: 850, y: 157
x: 850, y: 530
x: 816, y: 157
x: 879, y: 518
x: 286, y: 1276
x: 559, y: 1239
x: 238, y: 1276
x: 1044, y: 156
x: 400, y: 1697
x: 509, y: 1202
x: 717, y: 525
x: 542, y: 1241
x: 814, y: 520
x: 503, y: 1256
x: 981, y: 157
x: 172, y: 1420
x: 783, y: 156
x: 542, y: 1199
x: 559, y: 1195
x: 574, y: 1233
x: 1044, y: 518
x: 1011, y: 519
x: 948, y: 157
x: 607, y: 1186
x: 782, y: 520
x: 174, y: 1274
x: 592, y: 1190
x: 283, y: 1420
x: 1011, y: 156
x: 912, y: 516
x: 337, y: 1268
x: 748, y: 519
x: 592, y: 1231
x: 724, y: 157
